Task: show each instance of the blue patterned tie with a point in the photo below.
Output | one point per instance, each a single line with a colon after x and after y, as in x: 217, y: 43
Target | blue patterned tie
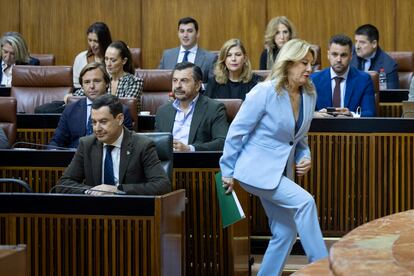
x: 185, y: 58
x: 89, y: 128
x: 109, y: 167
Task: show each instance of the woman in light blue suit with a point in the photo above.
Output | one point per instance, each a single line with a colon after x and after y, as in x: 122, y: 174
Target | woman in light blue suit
x: 266, y: 143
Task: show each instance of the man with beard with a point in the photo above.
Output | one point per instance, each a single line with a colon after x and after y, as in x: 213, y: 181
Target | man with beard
x: 341, y: 85
x: 197, y: 122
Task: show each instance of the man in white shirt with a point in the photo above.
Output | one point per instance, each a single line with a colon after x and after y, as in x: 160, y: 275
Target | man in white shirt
x: 341, y: 85
x: 188, y: 35
x: 114, y: 159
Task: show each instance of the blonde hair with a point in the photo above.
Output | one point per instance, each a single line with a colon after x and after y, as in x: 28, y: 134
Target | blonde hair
x: 21, y: 54
x: 270, y: 33
x: 222, y: 73
x: 293, y: 51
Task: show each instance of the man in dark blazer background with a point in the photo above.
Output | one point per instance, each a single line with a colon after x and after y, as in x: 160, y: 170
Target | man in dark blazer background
x: 114, y: 159
x: 355, y: 88
x: 189, y: 51
x: 74, y: 121
x: 197, y: 122
x: 368, y: 56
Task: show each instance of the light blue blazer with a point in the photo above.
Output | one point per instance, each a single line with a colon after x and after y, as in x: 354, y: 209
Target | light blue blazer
x: 261, y: 141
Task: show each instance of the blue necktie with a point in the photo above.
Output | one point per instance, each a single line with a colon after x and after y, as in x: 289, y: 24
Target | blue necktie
x: 185, y: 58
x: 109, y: 167
x: 89, y: 128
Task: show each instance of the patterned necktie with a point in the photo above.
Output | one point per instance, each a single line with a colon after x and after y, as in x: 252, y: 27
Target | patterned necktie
x: 185, y: 58
x: 109, y: 167
x: 89, y: 128
x: 336, y: 99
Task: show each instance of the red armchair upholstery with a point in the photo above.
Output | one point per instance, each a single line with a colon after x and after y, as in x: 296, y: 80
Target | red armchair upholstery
x: 405, y: 61
x: 36, y: 85
x: 157, y: 86
x: 45, y: 59
x: 8, y: 119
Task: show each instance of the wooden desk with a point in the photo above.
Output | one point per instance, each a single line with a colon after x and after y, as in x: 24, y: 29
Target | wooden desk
x: 84, y: 235
x: 210, y: 250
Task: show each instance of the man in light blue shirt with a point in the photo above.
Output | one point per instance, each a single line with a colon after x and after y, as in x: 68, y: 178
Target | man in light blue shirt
x: 197, y: 123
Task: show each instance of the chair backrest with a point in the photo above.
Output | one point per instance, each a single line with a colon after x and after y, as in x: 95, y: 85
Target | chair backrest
x: 375, y: 81
x: 131, y: 103
x: 164, y: 143
x: 408, y: 109
x: 405, y: 61
x: 232, y: 107
x: 136, y: 57
x: 157, y: 86
x: 262, y: 73
x: 45, y: 59
x: 318, y: 60
x: 36, y: 85
x: 8, y: 119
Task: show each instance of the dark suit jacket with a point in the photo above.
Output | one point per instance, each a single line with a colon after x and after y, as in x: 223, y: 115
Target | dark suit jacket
x: 72, y: 125
x: 359, y: 91
x: 32, y: 61
x: 208, y: 127
x: 204, y: 59
x: 140, y: 170
x: 381, y: 60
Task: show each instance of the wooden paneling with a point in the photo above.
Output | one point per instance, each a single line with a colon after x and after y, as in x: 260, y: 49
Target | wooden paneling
x: 316, y: 21
x: 218, y: 21
x: 9, y: 14
x: 59, y: 26
x: 404, y: 32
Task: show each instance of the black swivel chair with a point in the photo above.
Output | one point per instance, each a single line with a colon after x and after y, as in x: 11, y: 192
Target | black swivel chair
x: 17, y: 182
x: 164, y: 143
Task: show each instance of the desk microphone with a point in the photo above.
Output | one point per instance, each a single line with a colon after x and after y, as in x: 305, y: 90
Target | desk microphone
x: 84, y: 189
x: 50, y: 147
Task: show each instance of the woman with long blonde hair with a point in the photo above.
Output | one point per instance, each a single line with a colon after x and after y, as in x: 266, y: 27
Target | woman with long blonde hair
x: 233, y: 77
x: 265, y: 147
x: 279, y: 31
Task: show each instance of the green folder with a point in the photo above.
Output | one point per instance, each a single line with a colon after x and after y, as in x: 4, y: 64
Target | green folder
x: 231, y: 210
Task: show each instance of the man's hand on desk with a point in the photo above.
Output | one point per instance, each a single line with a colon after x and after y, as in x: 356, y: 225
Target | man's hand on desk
x: 103, y: 189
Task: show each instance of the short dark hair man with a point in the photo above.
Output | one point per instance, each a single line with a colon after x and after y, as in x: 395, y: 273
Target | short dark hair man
x: 114, y: 159
x: 75, y: 120
x: 368, y: 56
x: 342, y: 85
x: 189, y: 51
x: 197, y: 122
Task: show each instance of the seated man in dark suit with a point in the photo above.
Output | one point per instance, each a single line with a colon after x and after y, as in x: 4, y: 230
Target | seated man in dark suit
x: 13, y: 52
x: 341, y: 85
x: 368, y: 56
x: 189, y: 50
x: 4, y: 142
x: 75, y: 121
x: 114, y: 160
x: 197, y: 122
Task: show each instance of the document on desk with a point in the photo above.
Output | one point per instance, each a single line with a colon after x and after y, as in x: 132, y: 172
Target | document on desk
x: 231, y: 210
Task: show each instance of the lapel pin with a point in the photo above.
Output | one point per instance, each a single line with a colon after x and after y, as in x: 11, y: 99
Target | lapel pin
x: 128, y: 152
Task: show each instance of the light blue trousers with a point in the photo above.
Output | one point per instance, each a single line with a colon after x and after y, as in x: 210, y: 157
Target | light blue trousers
x: 290, y: 210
